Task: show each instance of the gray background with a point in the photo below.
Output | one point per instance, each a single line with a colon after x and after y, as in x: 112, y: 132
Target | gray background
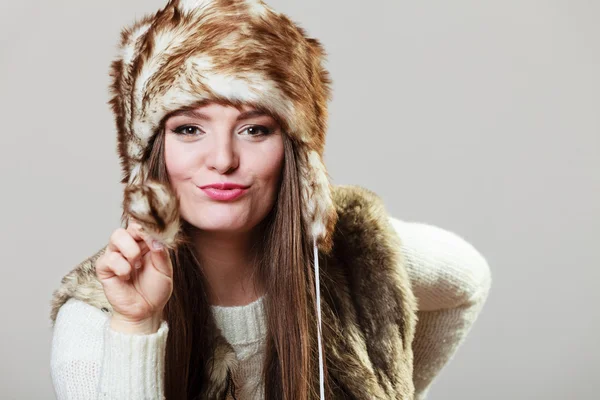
x: 481, y: 118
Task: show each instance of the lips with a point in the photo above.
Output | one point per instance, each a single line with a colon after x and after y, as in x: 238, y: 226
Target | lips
x: 224, y: 191
x: 224, y: 186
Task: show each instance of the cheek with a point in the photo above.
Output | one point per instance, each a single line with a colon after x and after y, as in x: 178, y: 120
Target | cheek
x: 272, y: 164
x: 177, y: 160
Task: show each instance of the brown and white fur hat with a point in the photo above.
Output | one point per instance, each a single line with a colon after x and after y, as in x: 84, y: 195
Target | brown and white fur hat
x: 232, y: 51
x: 236, y: 51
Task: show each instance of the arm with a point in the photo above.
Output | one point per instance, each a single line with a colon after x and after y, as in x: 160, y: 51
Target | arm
x: 90, y: 361
x: 451, y: 281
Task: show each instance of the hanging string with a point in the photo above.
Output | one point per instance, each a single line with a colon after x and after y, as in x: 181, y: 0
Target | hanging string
x: 318, y: 291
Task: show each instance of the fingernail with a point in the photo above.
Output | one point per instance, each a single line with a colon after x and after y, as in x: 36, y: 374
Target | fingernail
x: 138, y: 264
x: 157, y: 245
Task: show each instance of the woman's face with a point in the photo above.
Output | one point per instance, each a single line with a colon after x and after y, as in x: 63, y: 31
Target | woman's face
x: 221, y: 144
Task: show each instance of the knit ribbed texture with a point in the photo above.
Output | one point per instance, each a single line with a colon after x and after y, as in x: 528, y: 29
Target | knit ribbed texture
x: 436, y: 346
x: 245, y: 329
x: 77, y: 350
x: 241, y: 324
x: 450, y: 278
x: 133, y: 364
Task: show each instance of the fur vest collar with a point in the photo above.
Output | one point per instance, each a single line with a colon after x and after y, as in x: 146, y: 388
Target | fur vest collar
x: 368, y: 307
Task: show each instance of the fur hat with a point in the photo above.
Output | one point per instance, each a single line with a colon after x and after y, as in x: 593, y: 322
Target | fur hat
x: 233, y: 51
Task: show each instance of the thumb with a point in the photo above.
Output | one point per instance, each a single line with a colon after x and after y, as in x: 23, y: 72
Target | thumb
x: 160, y: 257
x: 159, y: 254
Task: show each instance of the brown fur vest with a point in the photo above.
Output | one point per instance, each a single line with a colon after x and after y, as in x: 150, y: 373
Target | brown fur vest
x: 368, y: 308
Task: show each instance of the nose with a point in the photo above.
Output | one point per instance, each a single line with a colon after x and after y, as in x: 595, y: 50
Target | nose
x: 222, y: 153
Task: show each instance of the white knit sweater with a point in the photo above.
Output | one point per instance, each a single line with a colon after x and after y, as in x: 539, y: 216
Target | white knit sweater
x: 450, y: 278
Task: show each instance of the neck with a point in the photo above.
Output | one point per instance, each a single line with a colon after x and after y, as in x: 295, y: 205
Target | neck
x: 227, y: 265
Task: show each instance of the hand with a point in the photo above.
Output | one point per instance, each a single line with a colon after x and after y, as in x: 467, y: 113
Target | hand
x: 137, y: 279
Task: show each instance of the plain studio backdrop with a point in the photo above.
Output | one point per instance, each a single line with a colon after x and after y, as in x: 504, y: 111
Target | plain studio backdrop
x: 480, y: 118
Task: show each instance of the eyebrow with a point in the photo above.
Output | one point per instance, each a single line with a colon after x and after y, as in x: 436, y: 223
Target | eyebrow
x: 201, y: 115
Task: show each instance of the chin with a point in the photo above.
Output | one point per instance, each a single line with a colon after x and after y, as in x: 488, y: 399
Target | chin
x: 218, y: 224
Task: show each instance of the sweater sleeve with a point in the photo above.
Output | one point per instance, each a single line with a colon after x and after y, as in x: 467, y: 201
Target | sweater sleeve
x: 451, y: 281
x: 90, y: 361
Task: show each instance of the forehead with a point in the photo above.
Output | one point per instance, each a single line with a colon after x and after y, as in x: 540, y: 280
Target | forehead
x: 215, y: 106
x: 215, y: 109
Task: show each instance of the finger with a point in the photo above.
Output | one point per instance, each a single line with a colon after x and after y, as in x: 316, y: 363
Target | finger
x: 101, y: 267
x: 113, y: 264
x: 159, y: 254
x: 162, y: 261
x: 149, y: 241
x: 123, y: 242
x: 121, y: 267
x: 135, y: 229
x: 137, y: 233
x: 143, y: 248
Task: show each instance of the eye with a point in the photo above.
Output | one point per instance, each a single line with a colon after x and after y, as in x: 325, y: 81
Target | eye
x: 188, y: 130
x: 255, y: 130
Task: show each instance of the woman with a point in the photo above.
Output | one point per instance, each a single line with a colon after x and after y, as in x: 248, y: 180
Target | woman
x: 282, y: 286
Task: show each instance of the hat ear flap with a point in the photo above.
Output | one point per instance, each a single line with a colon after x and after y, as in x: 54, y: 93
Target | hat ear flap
x: 153, y: 205
x: 121, y: 71
x: 319, y: 213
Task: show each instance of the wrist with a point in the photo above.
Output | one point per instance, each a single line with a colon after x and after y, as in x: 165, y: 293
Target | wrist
x: 146, y: 326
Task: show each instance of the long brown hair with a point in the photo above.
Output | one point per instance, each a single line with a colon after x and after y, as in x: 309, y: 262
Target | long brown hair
x: 283, y: 266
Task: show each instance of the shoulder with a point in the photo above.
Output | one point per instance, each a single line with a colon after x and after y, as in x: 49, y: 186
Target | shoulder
x: 354, y: 199
x: 362, y: 221
x: 363, y: 233
x: 78, y: 331
x: 80, y: 283
x: 77, y: 314
x: 445, y: 269
x: 366, y: 260
x: 368, y: 297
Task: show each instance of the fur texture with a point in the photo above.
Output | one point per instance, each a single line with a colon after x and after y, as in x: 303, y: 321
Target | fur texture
x: 369, y: 309
x: 232, y: 51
